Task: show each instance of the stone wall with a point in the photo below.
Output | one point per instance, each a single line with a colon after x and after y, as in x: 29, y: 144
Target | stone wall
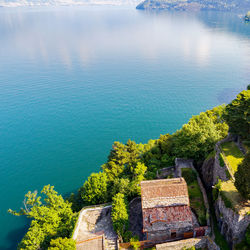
x: 203, y: 242
x: 211, y: 170
x: 232, y: 225
x: 165, y: 234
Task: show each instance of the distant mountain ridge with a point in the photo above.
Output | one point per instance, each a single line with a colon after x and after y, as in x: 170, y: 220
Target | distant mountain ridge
x: 182, y: 5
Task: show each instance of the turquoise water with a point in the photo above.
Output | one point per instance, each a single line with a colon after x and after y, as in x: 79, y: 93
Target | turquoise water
x: 73, y: 80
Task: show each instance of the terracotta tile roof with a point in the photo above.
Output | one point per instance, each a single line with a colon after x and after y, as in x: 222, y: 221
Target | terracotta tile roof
x: 169, y: 215
x: 165, y: 192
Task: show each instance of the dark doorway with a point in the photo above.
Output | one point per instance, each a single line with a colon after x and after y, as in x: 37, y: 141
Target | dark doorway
x: 173, y: 235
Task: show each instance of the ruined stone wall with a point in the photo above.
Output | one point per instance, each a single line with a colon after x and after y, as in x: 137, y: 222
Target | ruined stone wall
x: 207, y: 171
x: 211, y: 170
x: 178, y: 226
x: 161, y: 233
x: 232, y: 225
x: 203, y: 242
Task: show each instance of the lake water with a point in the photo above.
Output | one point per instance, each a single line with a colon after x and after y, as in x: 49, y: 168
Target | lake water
x: 73, y: 80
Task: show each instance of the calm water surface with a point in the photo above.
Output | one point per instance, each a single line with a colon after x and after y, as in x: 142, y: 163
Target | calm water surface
x: 73, y: 80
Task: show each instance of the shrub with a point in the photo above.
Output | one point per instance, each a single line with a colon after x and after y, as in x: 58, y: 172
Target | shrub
x: 94, y: 190
x: 62, y: 243
x: 134, y: 242
x: 189, y: 175
x: 119, y: 214
x: 242, y: 177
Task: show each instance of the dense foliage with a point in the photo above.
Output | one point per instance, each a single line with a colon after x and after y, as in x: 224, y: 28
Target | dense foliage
x: 128, y: 164
x: 94, y: 190
x: 242, y: 177
x: 51, y: 217
x: 62, y: 244
x: 120, y: 215
x: 237, y: 115
x: 197, y: 138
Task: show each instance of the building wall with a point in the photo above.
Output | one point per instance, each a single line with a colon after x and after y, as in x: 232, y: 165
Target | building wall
x: 163, y: 201
x: 162, y: 231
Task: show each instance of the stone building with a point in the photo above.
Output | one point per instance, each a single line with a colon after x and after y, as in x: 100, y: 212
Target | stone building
x: 165, y: 209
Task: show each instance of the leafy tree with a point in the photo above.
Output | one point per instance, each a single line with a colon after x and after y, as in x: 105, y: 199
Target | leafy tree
x: 121, y: 185
x: 95, y: 189
x: 119, y: 214
x: 198, y: 137
x: 138, y: 173
x: 62, y: 244
x: 242, y: 177
x: 237, y: 114
x: 51, y: 217
x: 119, y: 153
x: 112, y: 170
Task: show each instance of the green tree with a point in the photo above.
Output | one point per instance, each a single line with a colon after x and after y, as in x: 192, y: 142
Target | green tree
x: 62, y: 244
x: 95, y: 189
x: 119, y: 153
x: 237, y: 115
x: 198, y: 137
x: 242, y: 177
x: 51, y: 217
x: 121, y: 185
x: 112, y: 170
x: 120, y: 214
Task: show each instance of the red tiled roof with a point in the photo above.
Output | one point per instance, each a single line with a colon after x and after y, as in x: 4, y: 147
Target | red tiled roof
x: 164, y: 188
x: 170, y: 215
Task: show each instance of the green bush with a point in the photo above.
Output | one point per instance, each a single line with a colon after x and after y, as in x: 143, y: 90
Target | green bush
x: 62, y: 244
x: 134, y: 242
x: 189, y: 175
x: 242, y: 177
x: 120, y: 215
x: 95, y: 189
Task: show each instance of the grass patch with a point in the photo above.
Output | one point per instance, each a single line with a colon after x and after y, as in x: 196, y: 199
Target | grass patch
x: 232, y: 197
x: 230, y: 191
x: 195, y: 194
x: 232, y: 154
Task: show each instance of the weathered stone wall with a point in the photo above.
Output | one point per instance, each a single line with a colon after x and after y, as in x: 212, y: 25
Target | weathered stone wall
x: 164, y: 172
x: 163, y: 201
x: 211, y: 169
x: 207, y: 171
x: 160, y: 234
x: 178, y: 226
x: 203, y: 242
x: 232, y: 225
